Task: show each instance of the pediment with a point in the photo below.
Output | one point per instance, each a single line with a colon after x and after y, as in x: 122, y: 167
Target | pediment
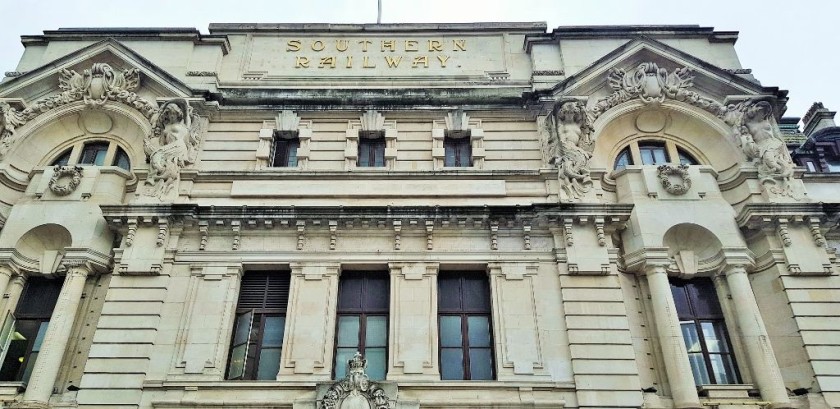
x: 708, y: 80
x: 44, y: 81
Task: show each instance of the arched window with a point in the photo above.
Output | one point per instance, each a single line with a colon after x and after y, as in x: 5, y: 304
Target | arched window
x: 95, y: 153
x: 652, y: 152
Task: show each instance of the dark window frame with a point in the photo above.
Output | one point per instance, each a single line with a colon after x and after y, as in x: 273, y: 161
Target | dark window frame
x: 259, y: 316
x: 362, y: 313
x: 373, y: 143
x: 714, y: 317
x: 464, y: 313
x: 284, y: 149
x: 459, y: 144
x: 93, y: 148
x: 653, y: 147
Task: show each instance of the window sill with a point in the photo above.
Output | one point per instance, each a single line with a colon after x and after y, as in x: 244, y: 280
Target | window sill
x: 11, y: 388
x: 728, y: 391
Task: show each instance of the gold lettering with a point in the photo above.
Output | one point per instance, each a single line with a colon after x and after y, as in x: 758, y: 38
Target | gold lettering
x: 435, y: 45
x: 327, y: 62
x: 410, y: 45
x: 366, y: 63
x: 293, y: 45
x: 317, y: 45
x: 389, y: 45
x: 341, y: 45
x: 349, y: 61
x: 442, y: 59
x: 393, y: 62
x: 420, y: 60
x: 301, y: 62
x: 365, y: 44
x: 459, y: 45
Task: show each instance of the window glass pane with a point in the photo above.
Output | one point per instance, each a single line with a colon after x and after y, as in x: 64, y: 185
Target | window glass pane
x: 63, y: 159
x: 714, y: 342
x: 681, y: 301
x: 659, y: 156
x: 377, y: 361
x: 476, y: 294
x: 39, y: 339
x: 243, y: 328
x: 478, y: 329
x: 350, y: 294
x: 451, y: 363
x: 379, y: 153
x: 623, y: 159
x: 449, y: 153
x: 449, y: 293
x: 704, y: 298
x: 342, y: 355
x: 647, y: 156
x: 364, y: 153
x: 273, y: 332
x: 698, y: 368
x: 481, y: 364
x: 237, y: 362
x: 686, y: 159
x: 376, y: 332
x: 377, y: 293
x: 348, y: 331
x: 465, y: 153
x: 94, y: 154
x: 30, y: 363
x: 450, y: 331
x: 269, y: 363
x: 723, y: 368
x: 692, y: 340
x: 121, y: 159
x: 810, y: 166
x: 833, y: 165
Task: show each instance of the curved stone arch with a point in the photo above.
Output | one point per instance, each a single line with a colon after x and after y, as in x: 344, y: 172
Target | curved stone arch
x: 695, y: 249
x: 41, y: 247
x: 29, y: 150
x: 609, y: 142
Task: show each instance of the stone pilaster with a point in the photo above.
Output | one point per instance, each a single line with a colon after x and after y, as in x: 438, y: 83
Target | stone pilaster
x: 6, y: 274
x: 413, y: 341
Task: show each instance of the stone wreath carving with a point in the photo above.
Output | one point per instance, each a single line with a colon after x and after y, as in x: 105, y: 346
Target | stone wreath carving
x: 95, y: 86
x: 173, y: 144
x: 570, y: 147
x: 59, y: 172
x: 355, y: 391
x: 664, y: 172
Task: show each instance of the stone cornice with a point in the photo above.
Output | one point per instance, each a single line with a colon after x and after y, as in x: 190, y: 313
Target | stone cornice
x: 758, y: 215
x: 228, y: 28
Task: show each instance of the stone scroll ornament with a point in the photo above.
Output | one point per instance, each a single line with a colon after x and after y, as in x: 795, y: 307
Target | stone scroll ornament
x: 570, y: 147
x: 95, y: 86
x: 173, y: 143
x: 356, y: 390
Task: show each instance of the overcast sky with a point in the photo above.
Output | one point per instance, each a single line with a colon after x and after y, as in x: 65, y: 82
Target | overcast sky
x: 790, y: 44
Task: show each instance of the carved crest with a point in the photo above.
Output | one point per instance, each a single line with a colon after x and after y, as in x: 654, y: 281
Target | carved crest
x: 664, y: 172
x: 650, y: 83
x: 95, y: 86
x: 355, y: 391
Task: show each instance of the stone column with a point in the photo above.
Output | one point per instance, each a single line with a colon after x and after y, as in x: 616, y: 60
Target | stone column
x: 671, y: 341
x: 754, y: 337
x: 48, y: 363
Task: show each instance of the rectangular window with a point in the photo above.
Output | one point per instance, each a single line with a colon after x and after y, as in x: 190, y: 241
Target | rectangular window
x: 465, y: 334
x: 258, y: 330
x: 371, y: 149
x: 362, y: 322
x: 29, y: 325
x: 457, y: 150
x: 285, y: 150
x: 653, y: 153
x: 704, y: 331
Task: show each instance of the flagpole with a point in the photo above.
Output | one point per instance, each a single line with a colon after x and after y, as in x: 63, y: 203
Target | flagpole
x: 379, y: 12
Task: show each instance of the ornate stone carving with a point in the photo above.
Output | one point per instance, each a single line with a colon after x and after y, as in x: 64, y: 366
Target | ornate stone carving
x: 570, y: 147
x: 172, y: 145
x: 652, y: 84
x: 356, y: 390
x: 372, y: 121
x: 60, y: 172
x: 664, y: 172
x: 287, y: 121
x: 95, y: 86
x: 758, y: 136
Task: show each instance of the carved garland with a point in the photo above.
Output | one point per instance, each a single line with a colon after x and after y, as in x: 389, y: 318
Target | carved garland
x: 75, y: 174
x: 664, y: 172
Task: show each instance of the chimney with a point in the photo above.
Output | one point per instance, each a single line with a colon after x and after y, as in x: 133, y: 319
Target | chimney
x: 818, y: 117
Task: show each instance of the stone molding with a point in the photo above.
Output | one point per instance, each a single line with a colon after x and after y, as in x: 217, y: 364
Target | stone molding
x: 457, y: 124
x: 370, y: 123
x: 287, y: 125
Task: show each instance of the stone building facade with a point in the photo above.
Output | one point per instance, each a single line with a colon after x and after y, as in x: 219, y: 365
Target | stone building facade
x: 493, y: 215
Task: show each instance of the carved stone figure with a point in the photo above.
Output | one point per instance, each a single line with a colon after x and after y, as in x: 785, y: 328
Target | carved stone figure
x: 172, y: 145
x: 95, y: 86
x: 355, y: 391
x: 570, y: 147
x: 759, y: 138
